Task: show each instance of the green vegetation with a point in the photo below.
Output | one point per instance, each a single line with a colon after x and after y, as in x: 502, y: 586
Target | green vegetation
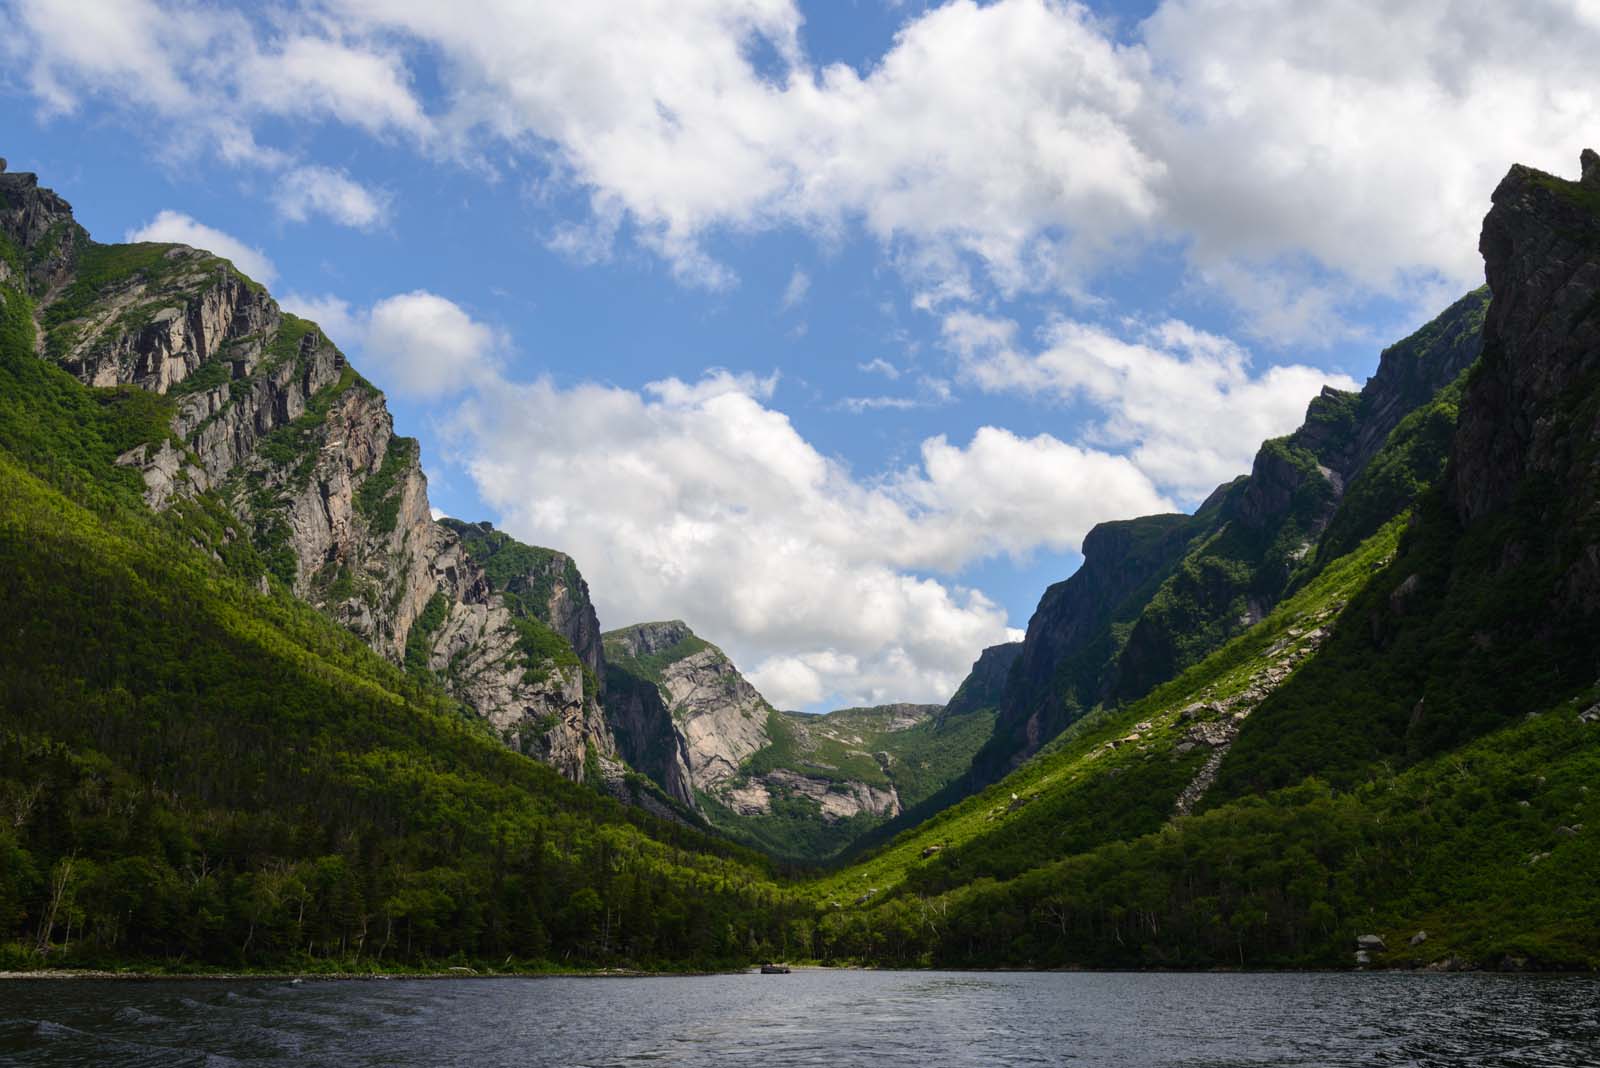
x: 69, y: 434
x: 651, y: 665
x: 378, y: 499
x: 100, y: 267
x: 194, y: 771
x: 419, y: 640
x: 197, y: 767
x: 842, y: 750
x: 1088, y: 866
x: 1411, y: 460
x: 526, y: 577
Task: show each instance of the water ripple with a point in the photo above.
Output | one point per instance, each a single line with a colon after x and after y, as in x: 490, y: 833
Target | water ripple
x: 816, y: 1018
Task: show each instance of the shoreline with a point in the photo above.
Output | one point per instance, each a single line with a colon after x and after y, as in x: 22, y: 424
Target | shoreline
x: 102, y: 975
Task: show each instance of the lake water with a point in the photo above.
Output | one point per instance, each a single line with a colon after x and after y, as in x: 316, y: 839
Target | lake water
x: 926, y: 1019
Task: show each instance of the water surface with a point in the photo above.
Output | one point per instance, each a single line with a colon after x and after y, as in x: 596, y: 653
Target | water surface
x: 833, y: 1018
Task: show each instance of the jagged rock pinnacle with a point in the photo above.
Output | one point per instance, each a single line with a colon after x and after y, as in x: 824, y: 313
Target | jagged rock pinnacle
x: 1588, y: 160
x: 2, y: 165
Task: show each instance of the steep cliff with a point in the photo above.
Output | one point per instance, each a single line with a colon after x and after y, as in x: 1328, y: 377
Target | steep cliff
x: 266, y: 419
x: 523, y: 651
x: 1491, y: 605
x: 799, y: 786
x: 1076, y: 632
x: 1156, y: 594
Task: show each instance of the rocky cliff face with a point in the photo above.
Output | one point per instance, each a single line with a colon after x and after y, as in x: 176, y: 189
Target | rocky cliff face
x: 269, y: 419
x: 985, y: 684
x: 1156, y: 594
x: 719, y: 717
x: 1059, y: 672
x: 1530, y: 419
x: 797, y: 785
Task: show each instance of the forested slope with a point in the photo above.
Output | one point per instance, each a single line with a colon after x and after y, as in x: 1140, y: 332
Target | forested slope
x: 196, y: 768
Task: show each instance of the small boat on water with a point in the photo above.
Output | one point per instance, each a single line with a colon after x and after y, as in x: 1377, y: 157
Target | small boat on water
x: 774, y: 969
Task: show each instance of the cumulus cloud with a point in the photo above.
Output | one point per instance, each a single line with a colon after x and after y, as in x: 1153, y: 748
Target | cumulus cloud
x: 1184, y: 403
x: 415, y: 344
x: 1336, y: 150
x: 303, y: 192
x: 700, y: 500
x: 177, y: 227
x: 210, y: 75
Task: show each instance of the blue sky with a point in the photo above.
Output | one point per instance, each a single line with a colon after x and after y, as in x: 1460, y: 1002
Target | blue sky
x: 829, y: 327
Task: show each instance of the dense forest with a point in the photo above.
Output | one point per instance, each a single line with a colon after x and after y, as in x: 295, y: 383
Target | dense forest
x: 198, y: 771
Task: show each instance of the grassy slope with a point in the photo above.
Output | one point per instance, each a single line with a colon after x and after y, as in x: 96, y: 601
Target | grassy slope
x: 1069, y: 802
x: 1091, y: 868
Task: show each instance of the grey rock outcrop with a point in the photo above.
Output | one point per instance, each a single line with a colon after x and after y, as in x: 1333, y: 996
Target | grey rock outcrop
x: 271, y: 420
x: 719, y: 717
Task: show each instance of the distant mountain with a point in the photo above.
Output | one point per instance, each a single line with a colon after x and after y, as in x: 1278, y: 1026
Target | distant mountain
x: 799, y: 786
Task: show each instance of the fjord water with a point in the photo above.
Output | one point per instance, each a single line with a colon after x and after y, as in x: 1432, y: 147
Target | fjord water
x: 812, y: 1018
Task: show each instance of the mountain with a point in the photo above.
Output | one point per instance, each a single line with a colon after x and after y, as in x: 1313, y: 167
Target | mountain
x: 200, y: 768
x: 799, y: 786
x: 1158, y: 593
x: 260, y: 710
x: 1401, y: 752
x: 268, y: 422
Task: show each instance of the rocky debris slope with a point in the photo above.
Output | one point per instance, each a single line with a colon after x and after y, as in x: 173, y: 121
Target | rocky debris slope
x: 269, y: 420
x: 1215, y: 724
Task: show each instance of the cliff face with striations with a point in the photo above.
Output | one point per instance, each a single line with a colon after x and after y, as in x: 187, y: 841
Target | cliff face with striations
x: 1529, y: 438
x: 1158, y: 593
x: 797, y: 785
x: 269, y: 420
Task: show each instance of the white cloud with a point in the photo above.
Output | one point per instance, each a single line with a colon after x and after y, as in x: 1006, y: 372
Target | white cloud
x: 931, y: 393
x: 698, y: 500
x: 320, y: 78
x: 180, y: 228
x: 1304, y: 156
x: 208, y: 76
x: 880, y: 366
x: 795, y: 292
x: 1183, y: 402
x: 415, y: 344
x: 303, y: 192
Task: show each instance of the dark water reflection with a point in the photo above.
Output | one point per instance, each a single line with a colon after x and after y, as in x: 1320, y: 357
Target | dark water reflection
x: 926, y: 1019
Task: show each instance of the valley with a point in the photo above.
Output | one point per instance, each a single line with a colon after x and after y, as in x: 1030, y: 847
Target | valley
x: 262, y: 709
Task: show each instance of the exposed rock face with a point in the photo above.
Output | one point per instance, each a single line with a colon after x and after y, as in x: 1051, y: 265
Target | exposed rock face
x: 646, y: 737
x: 1541, y: 252
x: 720, y: 717
x: 684, y: 715
x: 1059, y: 672
x: 1530, y: 418
x: 41, y: 225
x: 1155, y: 594
x: 269, y: 418
x: 985, y: 684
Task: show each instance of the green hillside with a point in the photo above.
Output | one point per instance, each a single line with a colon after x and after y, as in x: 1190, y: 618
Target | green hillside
x: 196, y: 770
